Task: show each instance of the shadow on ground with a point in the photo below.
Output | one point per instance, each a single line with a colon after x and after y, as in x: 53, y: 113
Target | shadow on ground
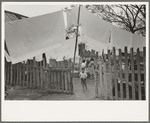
x: 19, y: 93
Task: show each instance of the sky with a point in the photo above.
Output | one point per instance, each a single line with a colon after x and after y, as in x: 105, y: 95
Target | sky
x: 31, y: 10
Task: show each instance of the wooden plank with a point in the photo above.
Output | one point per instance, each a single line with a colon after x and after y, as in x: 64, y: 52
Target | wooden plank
x: 105, y: 81
x: 144, y: 58
x: 110, y: 75
x: 49, y: 79
x: 115, y: 74
x: 8, y: 73
x: 132, y: 74
x: 34, y: 72
x: 71, y: 82
x: 37, y: 75
x: 100, y: 90
x: 121, y: 82
x: 63, y: 80
x: 126, y: 73
x: 139, y: 74
x: 23, y: 73
x: 11, y: 74
x: 56, y: 80
x: 31, y: 69
x: 68, y: 75
x: 20, y: 75
x: 27, y: 73
x: 59, y: 74
x: 41, y: 75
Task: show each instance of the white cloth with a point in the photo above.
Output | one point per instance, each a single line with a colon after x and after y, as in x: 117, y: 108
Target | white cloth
x: 83, y: 75
x: 138, y: 42
x: 65, y: 50
x: 94, y: 27
x: 30, y: 37
x: 83, y: 65
x: 72, y: 16
x: 8, y: 58
x: 91, y: 44
x: 120, y: 38
x: 39, y: 57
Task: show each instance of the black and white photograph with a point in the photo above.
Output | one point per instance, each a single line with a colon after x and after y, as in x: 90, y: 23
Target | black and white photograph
x: 88, y: 52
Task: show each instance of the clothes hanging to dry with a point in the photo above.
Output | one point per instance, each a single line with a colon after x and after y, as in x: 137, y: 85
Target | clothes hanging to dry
x: 138, y: 42
x: 30, y: 37
x: 120, y: 38
x: 94, y: 27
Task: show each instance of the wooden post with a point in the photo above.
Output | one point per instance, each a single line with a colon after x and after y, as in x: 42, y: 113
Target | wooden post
x: 121, y: 82
x: 100, y: 90
x: 115, y: 74
x: 132, y: 74
x: 11, y: 74
x: 34, y: 72
x: 27, y: 73
x: 37, y: 75
x: 31, y: 74
x: 126, y: 73
x: 105, y: 81
x: 110, y: 75
x: 139, y: 73
x: 23, y: 73
x: 41, y: 75
x: 144, y: 54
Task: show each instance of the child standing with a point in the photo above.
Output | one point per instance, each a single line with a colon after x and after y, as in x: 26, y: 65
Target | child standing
x: 83, y: 76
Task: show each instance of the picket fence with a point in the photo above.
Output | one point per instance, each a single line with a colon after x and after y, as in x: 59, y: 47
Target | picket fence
x: 39, y: 75
x: 121, y: 77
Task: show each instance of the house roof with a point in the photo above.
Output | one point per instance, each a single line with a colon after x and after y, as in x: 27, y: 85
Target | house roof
x: 11, y: 16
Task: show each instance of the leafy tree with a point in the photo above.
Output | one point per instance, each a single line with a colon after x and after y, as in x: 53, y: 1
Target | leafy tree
x: 129, y: 17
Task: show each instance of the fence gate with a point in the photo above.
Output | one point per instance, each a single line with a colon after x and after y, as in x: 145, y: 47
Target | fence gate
x: 58, y: 80
x: 123, y: 76
x: 33, y: 75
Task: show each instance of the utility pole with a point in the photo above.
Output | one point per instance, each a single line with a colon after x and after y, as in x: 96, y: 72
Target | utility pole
x: 76, y: 37
x: 75, y: 47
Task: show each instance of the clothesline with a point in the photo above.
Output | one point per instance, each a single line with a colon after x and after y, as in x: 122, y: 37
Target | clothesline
x: 32, y: 37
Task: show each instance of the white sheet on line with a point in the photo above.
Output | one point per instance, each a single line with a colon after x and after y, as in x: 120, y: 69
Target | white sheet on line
x: 8, y: 58
x: 72, y: 16
x: 120, y: 38
x: 65, y: 50
x: 138, y: 42
x: 30, y: 37
x: 93, y: 44
x: 94, y: 27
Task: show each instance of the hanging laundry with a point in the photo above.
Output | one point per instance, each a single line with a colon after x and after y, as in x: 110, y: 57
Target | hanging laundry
x: 30, y: 37
x: 94, y: 27
x: 120, y: 38
x: 39, y: 57
x: 91, y: 44
x: 64, y: 51
x: 8, y: 58
x: 72, y: 15
x: 138, y: 42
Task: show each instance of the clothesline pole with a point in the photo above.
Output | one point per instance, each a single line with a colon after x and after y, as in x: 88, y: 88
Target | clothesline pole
x: 76, y: 38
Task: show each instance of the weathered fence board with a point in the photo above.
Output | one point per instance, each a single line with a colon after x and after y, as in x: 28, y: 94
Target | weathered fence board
x: 126, y: 74
x: 122, y: 74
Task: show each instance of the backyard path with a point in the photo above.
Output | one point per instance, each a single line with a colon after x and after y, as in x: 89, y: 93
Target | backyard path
x: 19, y: 93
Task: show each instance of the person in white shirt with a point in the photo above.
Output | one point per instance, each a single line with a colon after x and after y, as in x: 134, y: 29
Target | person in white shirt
x: 83, y: 76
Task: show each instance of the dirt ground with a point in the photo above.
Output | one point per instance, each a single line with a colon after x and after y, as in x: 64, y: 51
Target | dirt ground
x: 20, y: 93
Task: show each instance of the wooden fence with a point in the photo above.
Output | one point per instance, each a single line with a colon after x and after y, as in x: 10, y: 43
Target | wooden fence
x: 123, y: 76
x: 39, y: 75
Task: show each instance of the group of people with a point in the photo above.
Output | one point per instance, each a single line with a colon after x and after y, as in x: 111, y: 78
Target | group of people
x: 86, y: 70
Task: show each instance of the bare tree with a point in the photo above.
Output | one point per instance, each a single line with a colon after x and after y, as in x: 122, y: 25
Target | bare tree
x: 129, y: 17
